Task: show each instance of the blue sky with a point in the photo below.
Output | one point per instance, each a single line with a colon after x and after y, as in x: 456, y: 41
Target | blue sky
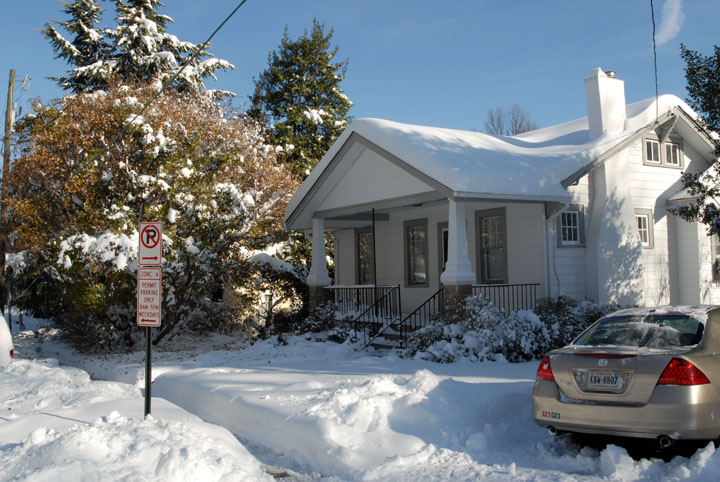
x: 441, y: 63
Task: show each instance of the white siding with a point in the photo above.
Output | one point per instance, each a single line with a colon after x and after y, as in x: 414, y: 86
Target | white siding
x: 345, y: 257
x: 673, y: 267
x: 567, y: 263
x: 372, y: 177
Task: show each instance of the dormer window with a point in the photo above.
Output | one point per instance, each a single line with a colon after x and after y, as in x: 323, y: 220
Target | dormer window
x: 667, y: 153
x: 652, y: 151
x: 672, y: 154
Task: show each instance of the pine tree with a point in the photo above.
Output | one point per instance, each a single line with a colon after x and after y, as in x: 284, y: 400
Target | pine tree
x: 299, y: 95
x: 146, y: 52
x: 88, y: 45
x: 703, y: 85
x: 137, y: 49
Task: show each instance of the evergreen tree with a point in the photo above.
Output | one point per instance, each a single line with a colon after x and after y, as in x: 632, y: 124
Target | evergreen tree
x: 299, y: 95
x: 137, y: 49
x: 703, y: 85
x: 88, y: 45
x: 146, y: 52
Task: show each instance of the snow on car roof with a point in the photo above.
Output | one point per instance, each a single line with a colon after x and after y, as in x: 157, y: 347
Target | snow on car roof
x: 699, y: 312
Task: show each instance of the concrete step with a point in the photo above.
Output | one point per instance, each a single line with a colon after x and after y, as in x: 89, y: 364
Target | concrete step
x: 383, y: 345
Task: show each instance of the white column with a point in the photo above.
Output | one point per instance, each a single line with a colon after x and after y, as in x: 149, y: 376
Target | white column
x: 458, y: 270
x: 318, y: 275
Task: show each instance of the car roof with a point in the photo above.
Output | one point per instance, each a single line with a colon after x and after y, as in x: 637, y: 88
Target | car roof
x: 698, y: 312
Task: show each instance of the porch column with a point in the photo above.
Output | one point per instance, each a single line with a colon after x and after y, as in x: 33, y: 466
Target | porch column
x: 318, y: 275
x: 458, y: 276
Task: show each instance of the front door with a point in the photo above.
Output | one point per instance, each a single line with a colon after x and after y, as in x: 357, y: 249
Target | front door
x: 492, y: 251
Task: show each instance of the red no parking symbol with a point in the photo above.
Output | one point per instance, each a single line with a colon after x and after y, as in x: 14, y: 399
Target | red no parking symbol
x: 150, y: 252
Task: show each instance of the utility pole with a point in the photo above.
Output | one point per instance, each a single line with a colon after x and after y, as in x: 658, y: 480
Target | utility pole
x: 9, y: 115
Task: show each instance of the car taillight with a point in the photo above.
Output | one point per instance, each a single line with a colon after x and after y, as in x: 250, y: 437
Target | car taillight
x: 544, y: 372
x: 682, y: 372
x: 12, y: 352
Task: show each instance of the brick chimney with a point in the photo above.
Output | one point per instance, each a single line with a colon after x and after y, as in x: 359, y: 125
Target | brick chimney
x: 605, y: 97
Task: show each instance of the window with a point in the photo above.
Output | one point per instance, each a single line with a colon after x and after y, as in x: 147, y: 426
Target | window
x: 571, y: 227
x: 672, y: 154
x: 666, y: 154
x: 365, y: 259
x: 491, y: 245
x: 715, y: 256
x: 416, y: 253
x: 644, y: 221
x: 652, y: 151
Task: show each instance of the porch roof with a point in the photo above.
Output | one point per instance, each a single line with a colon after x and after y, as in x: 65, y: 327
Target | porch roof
x: 534, y: 166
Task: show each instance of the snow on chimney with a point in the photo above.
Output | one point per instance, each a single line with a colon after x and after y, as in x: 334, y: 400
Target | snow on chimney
x: 605, y: 95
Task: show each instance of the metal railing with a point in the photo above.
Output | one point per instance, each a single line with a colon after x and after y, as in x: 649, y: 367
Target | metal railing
x: 377, y: 317
x: 352, y: 300
x: 423, y: 314
x: 509, y: 297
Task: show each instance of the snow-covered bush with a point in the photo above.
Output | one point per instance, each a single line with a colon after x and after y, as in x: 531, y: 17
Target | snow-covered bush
x: 480, y: 331
x: 322, y: 324
x: 566, y: 317
x: 320, y: 318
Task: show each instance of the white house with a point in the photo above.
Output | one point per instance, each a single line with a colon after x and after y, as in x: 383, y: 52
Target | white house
x: 577, y: 209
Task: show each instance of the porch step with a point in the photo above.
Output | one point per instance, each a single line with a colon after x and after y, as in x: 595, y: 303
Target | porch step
x: 378, y: 345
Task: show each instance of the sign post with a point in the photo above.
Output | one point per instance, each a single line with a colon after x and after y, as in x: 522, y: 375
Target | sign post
x: 149, y: 292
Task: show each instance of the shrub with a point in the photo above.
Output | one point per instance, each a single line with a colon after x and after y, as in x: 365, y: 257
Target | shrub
x: 480, y: 331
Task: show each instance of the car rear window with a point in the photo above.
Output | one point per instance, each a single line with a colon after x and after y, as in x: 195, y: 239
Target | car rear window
x: 651, y: 331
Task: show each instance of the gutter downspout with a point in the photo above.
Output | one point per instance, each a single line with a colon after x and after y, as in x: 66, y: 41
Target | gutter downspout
x: 548, y: 220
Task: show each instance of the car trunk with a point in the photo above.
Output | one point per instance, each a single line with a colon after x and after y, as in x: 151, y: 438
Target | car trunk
x: 614, y: 375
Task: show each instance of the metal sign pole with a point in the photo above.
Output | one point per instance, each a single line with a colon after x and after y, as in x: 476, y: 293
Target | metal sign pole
x: 148, y: 369
x: 149, y: 292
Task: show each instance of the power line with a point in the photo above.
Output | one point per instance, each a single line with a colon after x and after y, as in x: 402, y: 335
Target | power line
x: 652, y: 16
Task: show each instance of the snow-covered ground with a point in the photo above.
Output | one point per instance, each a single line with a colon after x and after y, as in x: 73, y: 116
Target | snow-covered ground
x: 301, y: 411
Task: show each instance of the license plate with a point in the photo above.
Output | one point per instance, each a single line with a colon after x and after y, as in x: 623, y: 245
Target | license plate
x: 604, y: 380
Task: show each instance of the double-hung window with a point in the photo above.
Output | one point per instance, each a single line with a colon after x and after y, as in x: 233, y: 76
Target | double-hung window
x: 416, y: 253
x: 652, y: 151
x: 491, y: 247
x: 571, y: 227
x: 672, y: 154
x: 644, y: 221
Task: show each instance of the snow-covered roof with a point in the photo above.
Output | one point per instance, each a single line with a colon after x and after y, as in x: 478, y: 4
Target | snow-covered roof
x: 532, y: 165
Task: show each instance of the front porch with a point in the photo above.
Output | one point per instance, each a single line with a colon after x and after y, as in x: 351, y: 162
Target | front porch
x: 423, y: 247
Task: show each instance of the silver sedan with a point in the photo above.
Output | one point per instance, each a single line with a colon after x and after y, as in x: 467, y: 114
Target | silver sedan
x: 651, y: 373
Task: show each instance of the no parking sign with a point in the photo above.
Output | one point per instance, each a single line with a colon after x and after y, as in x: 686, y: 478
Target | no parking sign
x: 150, y: 253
